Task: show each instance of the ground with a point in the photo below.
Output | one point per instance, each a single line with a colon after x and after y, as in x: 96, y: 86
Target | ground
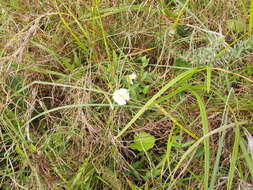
x: 186, y: 65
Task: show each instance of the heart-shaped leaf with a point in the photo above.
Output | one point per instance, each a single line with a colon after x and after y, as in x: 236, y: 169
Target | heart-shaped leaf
x: 143, y: 141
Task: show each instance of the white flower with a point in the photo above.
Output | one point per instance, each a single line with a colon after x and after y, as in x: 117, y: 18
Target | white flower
x: 121, y: 96
x: 132, y: 77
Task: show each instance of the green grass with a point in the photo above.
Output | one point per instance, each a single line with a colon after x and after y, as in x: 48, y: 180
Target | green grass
x: 62, y: 60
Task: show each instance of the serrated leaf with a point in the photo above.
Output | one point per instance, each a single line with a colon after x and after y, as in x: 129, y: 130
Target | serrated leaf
x: 143, y: 141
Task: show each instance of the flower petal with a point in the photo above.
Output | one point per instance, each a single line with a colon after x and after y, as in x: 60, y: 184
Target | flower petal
x: 121, y: 96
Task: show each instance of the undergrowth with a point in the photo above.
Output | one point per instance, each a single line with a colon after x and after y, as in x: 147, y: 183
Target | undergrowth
x: 188, y: 122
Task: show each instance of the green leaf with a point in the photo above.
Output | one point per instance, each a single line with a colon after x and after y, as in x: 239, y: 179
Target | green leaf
x: 181, y: 63
x: 183, y: 31
x: 133, y: 186
x: 143, y: 141
x: 146, y: 89
x: 144, y: 61
x: 14, y: 82
x: 152, y: 173
x: 250, y: 128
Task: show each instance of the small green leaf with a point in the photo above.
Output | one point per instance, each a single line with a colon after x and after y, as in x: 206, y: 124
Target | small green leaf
x: 152, y: 173
x: 183, y: 31
x: 250, y: 128
x: 14, y: 82
x: 181, y: 63
x: 200, y: 152
x: 133, y: 186
x: 146, y: 89
x: 144, y: 61
x: 143, y: 141
x: 19, y: 151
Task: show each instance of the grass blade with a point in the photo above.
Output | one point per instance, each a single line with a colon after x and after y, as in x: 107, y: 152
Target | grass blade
x: 208, y: 79
x: 247, y: 157
x: 206, y: 141
x: 220, y: 146
x: 234, y: 157
x: 251, y: 17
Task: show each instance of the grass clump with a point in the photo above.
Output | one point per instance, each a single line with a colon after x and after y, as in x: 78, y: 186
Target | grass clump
x: 187, y: 124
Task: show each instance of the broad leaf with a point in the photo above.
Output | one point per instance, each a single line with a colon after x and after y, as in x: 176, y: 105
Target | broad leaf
x: 143, y: 141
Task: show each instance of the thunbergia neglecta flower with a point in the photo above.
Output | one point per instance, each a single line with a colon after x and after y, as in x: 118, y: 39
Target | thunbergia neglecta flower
x: 132, y: 77
x: 121, y: 96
